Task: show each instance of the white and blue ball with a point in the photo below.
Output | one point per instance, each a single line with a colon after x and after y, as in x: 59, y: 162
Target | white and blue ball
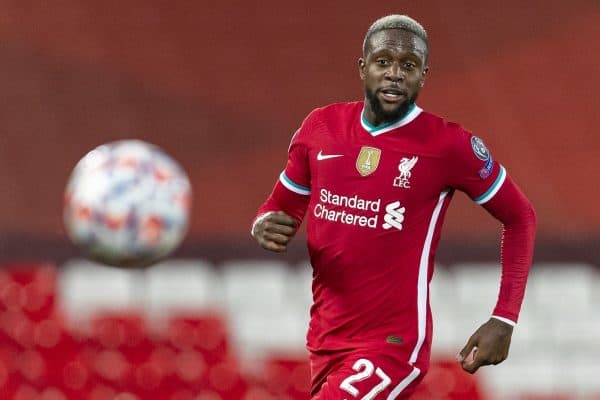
x: 127, y: 203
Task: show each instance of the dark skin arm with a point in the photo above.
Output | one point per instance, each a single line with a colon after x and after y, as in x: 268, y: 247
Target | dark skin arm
x: 487, y: 346
x: 274, y: 230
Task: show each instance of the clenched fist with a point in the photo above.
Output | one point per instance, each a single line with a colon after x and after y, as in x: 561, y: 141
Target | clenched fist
x: 274, y: 230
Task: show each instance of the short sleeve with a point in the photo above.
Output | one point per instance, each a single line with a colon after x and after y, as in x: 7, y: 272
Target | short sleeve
x: 296, y: 176
x: 473, y: 169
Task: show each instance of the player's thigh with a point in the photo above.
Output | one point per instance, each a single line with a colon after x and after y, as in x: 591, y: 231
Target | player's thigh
x: 371, y: 378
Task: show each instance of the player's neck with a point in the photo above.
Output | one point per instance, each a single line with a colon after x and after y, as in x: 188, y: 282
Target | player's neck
x: 373, y: 120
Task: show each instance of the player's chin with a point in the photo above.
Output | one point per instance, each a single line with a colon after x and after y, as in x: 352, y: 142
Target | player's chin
x: 391, y: 111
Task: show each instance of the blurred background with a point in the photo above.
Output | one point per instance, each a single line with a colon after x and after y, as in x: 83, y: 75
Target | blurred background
x: 221, y: 86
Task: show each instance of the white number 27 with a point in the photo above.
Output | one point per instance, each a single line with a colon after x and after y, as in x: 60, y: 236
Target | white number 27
x: 364, y: 369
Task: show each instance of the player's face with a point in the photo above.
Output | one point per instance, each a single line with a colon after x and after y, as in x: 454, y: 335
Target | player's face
x: 393, y: 71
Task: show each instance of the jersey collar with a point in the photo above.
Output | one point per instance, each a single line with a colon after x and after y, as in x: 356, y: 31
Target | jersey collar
x: 413, y: 112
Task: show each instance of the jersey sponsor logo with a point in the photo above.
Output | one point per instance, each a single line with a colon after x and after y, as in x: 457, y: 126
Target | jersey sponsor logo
x: 357, y: 211
x: 479, y: 148
x: 367, y: 160
x: 321, y: 156
x: 405, y: 166
x: 353, y: 202
x: 351, y: 209
x: 394, y: 216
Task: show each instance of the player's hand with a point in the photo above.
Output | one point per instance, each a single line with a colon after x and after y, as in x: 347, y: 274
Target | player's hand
x: 274, y: 230
x: 488, y: 345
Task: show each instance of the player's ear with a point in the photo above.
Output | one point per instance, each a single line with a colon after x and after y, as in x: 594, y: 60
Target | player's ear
x: 362, y: 68
x: 423, y: 76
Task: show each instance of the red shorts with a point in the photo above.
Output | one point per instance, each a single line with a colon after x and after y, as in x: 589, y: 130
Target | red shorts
x: 363, y: 375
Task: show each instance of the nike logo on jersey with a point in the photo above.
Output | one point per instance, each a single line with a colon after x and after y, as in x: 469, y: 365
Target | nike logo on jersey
x: 321, y: 156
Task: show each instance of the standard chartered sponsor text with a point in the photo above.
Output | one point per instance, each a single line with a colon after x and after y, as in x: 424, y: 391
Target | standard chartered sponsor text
x: 356, y: 202
x: 321, y: 210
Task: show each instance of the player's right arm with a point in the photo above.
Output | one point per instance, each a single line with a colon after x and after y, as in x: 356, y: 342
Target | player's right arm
x: 281, y: 214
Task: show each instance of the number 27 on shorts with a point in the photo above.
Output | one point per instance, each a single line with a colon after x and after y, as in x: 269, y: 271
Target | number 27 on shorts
x: 364, y: 370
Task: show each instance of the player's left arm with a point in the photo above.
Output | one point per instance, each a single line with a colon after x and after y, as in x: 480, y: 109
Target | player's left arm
x: 491, y: 342
x: 486, y: 181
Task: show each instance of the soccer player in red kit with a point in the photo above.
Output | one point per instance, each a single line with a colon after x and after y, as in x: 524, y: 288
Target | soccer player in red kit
x: 374, y: 179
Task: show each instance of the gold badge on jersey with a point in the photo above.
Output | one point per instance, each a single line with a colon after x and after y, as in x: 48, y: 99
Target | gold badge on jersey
x: 368, y: 160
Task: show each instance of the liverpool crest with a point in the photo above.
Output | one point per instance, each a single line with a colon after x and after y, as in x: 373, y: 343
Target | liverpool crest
x: 406, y: 164
x: 368, y: 160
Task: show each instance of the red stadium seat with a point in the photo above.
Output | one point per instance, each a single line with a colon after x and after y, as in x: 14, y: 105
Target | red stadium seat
x: 123, y: 332
x: 101, y: 392
x: 75, y: 376
x: 28, y: 287
x: 191, y: 368
x: 446, y: 380
x: 186, y: 394
x: 25, y: 392
x: 287, y: 375
x: 118, y: 330
x: 204, y: 332
x: 32, y: 367
x: 16, y: 328
x: 260, y: 393
x: 226, y: 380
x: 53, y: 393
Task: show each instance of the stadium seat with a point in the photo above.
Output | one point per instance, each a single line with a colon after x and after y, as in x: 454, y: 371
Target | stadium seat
x: 29, y: 288
x: 213, y: 329
x: 447, y: 337
x: 226, y: 380
x: 25, y: 392
x: 256, y: 334
x: 258, y: 306
x: 53, y: 393
x: 119, y: 329
x: 186, y: 394
x: 477, y: 286
x: 87, y: 288
x: 446, y: 380
x: 287, y: 375
x: 532, y: 372
x: 563, y: 287
x: 204, y: 332
x: 255, y: 286
x: 298, y: 286
x: 16, y: 328
x: 178, y: 286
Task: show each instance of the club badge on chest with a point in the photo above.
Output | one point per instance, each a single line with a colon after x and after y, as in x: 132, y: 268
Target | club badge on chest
x: 405, y: 166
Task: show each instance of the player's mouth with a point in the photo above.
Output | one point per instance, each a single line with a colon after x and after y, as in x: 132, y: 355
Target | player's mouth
x: 392, y: 95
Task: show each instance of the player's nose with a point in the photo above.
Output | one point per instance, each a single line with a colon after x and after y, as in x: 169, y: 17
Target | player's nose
x: 394, y: 73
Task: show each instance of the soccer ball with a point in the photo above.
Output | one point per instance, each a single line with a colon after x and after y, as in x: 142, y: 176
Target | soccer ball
x: 127, y: 204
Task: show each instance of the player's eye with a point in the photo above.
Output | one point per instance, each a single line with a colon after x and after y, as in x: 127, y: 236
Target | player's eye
x: 382, y: 62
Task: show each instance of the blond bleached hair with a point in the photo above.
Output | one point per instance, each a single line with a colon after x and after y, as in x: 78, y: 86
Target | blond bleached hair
x: 396, y: 21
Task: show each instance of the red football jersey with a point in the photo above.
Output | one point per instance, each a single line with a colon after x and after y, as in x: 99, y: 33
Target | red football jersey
x: 375, y: 199
x: 378, y: 196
